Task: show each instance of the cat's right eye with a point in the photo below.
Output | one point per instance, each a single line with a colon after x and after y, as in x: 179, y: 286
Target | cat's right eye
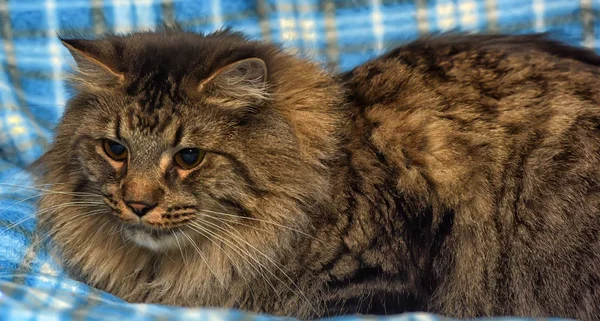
x: 115, y: 150
x: 189, y: 158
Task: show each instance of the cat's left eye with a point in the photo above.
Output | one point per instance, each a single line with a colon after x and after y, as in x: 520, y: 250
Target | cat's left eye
x: 115, y: 150
x: 189, y: 158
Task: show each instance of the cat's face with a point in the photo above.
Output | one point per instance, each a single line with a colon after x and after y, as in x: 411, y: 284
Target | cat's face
x: 179, y: 144
x: 168, y: 169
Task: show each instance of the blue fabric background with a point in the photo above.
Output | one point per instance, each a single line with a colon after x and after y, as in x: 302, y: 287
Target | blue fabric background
x: 340, y: 34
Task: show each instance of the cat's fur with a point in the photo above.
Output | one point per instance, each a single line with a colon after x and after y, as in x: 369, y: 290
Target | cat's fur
x: 457, y: 175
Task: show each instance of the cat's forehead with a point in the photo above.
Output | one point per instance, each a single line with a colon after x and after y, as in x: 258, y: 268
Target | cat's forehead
x: 154, y: 94
x: 155, y: 105
x: 150, y: 121
x: 156, y: 111
x: 147, y: 122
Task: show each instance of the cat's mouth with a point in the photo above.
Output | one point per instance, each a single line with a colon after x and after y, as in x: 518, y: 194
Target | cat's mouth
x: 153, y: 239
x: 150, y: 231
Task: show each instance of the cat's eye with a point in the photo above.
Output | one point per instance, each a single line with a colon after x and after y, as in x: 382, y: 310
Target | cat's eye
x: 189, y: 158
x: 115, y: 150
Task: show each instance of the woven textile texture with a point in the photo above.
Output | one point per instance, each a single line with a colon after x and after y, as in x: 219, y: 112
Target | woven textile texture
x: 338, y: 34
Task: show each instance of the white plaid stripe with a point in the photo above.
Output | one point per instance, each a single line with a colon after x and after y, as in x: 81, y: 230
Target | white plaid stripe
x: 217, y: 15
x: 145, y: 15
x: 287, y: 22
x: 332, y: 50
x: 54, y: 48
x: 307, y: 25
x: 422, y: 16
x: 469, y: 16
x: 122, y: 15
x: 446, y: 15
x: 492, y: 15
x: 587, y: 16
x: 378, y: 28
x: 538, y: 9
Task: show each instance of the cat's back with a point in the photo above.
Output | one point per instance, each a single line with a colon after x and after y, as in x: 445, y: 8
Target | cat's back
x: 454, y: 107
x: 464, y: 73
x: 503, y: 133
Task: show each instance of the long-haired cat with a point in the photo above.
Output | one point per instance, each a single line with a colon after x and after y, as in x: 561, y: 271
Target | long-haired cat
x: 457, y: 175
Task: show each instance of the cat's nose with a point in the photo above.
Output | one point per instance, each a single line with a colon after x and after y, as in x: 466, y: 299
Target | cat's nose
x: 141, y: 194
x: 140, y: 208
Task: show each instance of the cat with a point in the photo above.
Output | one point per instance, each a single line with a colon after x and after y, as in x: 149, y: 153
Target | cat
x: 457, y: 175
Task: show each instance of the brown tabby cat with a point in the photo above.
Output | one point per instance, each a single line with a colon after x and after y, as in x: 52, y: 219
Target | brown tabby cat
x: 458, y: 175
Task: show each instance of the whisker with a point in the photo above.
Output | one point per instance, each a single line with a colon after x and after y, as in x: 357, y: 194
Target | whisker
x: 74, y: 218
x: 45, y: 237
x: 203, y: 258
x: 170, y: 258
x: 272, y: 262
x: 28, y: 180
x: 111, y: 233
x: 243, y: 254
x: 103, y: 225
x: 68, y: 204
x: 121, y: 233
x: 45, y: 210
x: 180, y: 248
x: 231, y: 220
x: 78, y: 203
x: 213, y: 242
x: 50, y: 191
x: 15, y: 224
x: 220, y: 248
x: 19, y: 202
x: 248, y: 254
x: 129, y: 250
x: 260, y: 220
x: 125, y: 243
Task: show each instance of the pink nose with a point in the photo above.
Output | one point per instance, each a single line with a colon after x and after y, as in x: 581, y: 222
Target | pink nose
x: 140, y: 208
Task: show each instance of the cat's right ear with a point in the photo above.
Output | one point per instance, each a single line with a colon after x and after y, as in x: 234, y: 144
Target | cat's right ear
x: 96, y: 60
x: 241, y: 85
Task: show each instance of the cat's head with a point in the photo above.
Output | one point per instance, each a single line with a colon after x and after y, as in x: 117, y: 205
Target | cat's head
x: 183, y: 132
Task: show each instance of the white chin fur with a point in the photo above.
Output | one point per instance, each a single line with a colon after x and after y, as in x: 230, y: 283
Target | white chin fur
x: 158, y: 244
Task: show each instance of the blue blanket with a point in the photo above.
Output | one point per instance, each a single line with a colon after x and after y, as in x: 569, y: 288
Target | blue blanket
x: 340, y: 34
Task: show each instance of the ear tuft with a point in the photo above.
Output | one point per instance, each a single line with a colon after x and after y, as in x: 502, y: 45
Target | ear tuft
x: 240, y: 84
x: 96, y: 61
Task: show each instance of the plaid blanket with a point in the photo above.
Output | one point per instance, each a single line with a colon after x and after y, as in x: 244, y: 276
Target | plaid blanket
x: 340, y: 34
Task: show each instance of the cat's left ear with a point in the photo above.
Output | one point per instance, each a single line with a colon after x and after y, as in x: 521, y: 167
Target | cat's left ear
x: 96, y: 60
x: 237, y: 85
